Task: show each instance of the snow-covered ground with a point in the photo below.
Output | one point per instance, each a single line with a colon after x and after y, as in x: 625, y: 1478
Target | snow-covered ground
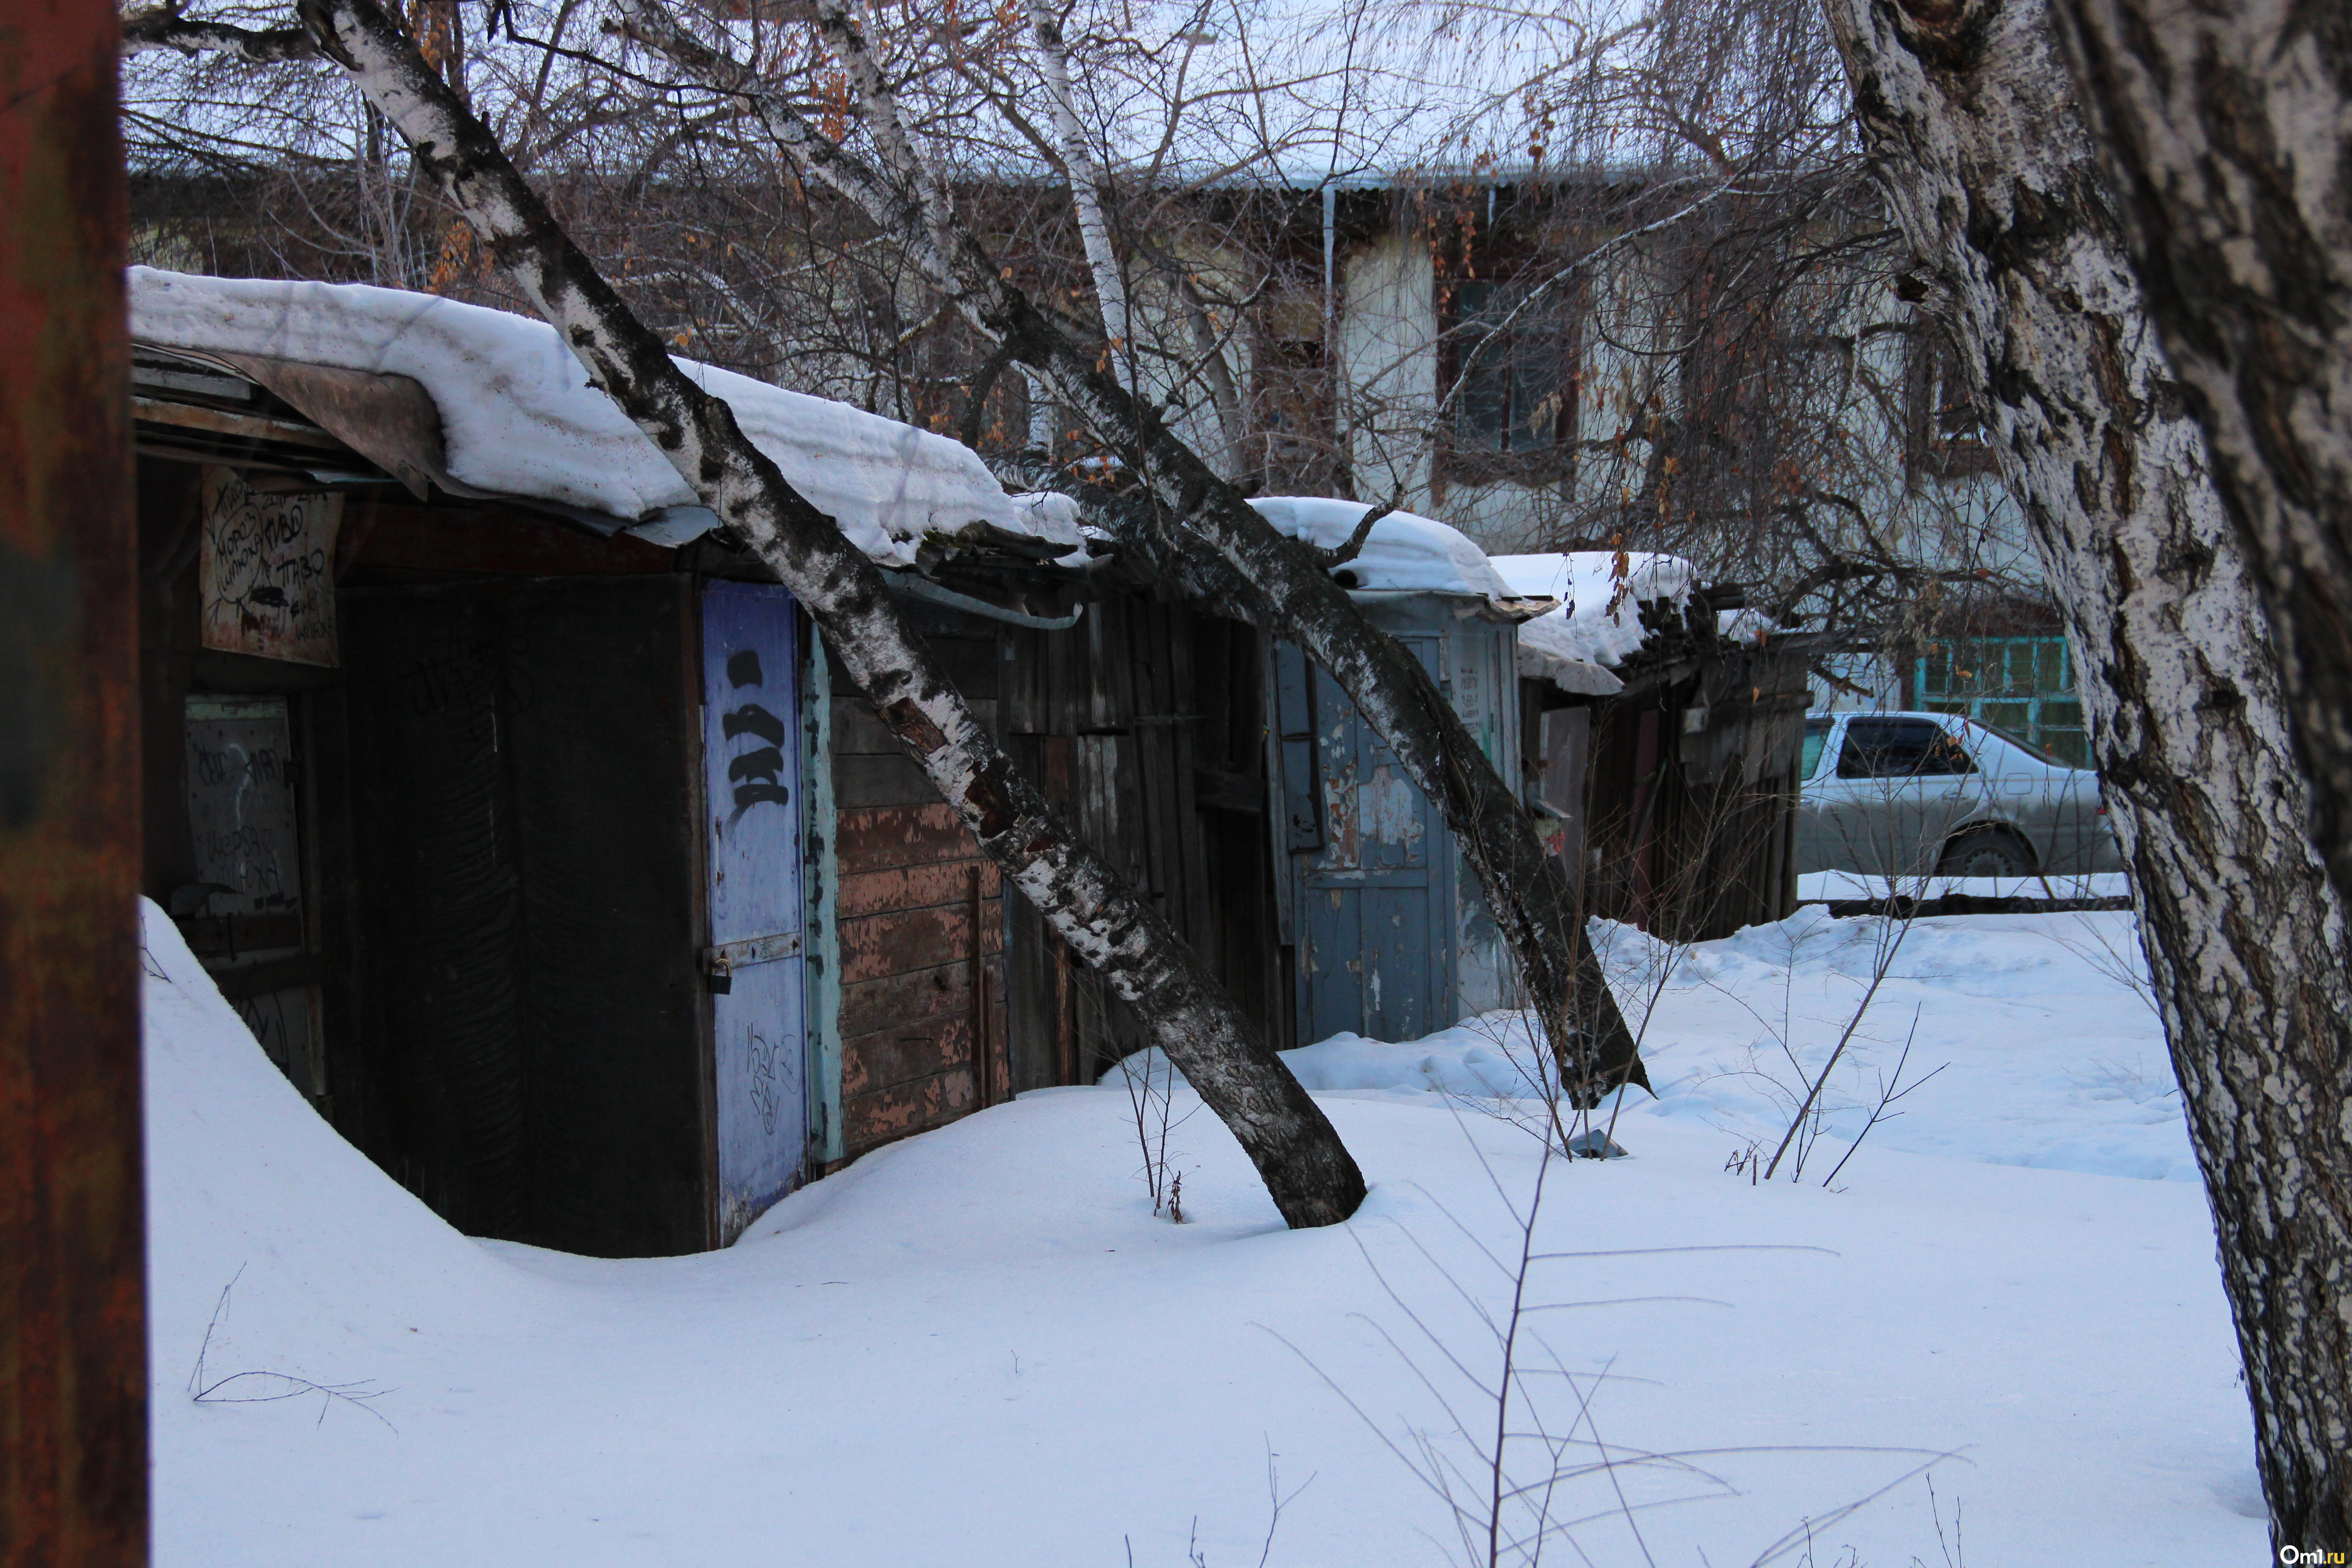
x: 979, y: 1347
x: 2042, y: 1038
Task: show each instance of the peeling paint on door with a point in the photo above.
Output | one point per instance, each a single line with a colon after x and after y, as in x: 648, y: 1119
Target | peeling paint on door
x: 1385, y: 886
x: 1391, y: 811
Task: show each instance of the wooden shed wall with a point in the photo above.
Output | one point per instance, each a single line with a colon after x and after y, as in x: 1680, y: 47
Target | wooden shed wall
x: 1691, y: 796
x: 494, y: 806
x: 922, y: 982
x: 531, y: 1050
x: 1144, y: 725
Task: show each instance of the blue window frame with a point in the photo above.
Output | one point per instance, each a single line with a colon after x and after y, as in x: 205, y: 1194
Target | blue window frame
x: 2023, y: 685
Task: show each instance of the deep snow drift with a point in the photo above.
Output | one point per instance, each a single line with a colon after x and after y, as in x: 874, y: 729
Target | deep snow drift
x: 979, y: 1347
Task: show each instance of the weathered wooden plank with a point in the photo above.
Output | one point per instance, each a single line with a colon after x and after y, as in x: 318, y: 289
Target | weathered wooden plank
x: 1058, y: 773
x: 1191, y: 858
x: 906, y: 1054
x: 1135, y: 816
x: 1034, y: 1027
x: 914, y: 939
x: 1023, y: 691
x: 1216, y: 790
x: 1227, y: 674
x: 1109, y: 699
x: 862, y: 782
x: 887, y: 1115
x: 858, y: 732
x: 1154, y: 753
x: 971, y: 664
x: 916, y: 887
x: 1110, y: 818
x: 876, y: 837
x: 1162, y: 761
x: 489, y: 540
x: 893, y: 999
x: 1065, y: 659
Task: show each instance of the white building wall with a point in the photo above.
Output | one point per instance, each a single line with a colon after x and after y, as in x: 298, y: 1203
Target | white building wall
x: 1388, y: 366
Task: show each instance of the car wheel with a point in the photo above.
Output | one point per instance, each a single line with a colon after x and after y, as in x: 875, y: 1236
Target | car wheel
x: 1994, y: 853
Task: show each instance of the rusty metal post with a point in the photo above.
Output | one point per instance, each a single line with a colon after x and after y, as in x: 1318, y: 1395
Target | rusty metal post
x: 73, y: 1350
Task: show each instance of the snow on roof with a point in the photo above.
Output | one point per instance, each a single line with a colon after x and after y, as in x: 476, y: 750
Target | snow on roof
x: 1404, y: 552
x: 1409, y: 553
x: 520, y: 418
x: 1600, y: 617
x: 1745, y: 625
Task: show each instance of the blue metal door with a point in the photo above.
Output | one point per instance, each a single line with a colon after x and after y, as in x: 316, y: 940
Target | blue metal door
x: 752, y: 749
x: 1372, y: 927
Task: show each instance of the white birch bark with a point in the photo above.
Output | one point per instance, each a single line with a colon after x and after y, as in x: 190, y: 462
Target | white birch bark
x: 1967, y: 110
x: 2226, y: 132
x: 1309, y: 1173
x: 162, y: 28
x: 1087, y: 185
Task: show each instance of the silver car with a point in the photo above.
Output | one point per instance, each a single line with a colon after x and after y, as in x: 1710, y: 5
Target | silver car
x: 1909, y: 795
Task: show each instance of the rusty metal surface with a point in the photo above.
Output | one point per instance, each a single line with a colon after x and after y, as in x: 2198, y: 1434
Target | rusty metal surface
x: 390, y: 420
x: 73, y: 1418
x: 241, y: 426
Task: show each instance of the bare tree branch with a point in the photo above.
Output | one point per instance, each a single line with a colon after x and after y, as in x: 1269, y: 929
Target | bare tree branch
x: 1529, y: 893
x: 163, y: 27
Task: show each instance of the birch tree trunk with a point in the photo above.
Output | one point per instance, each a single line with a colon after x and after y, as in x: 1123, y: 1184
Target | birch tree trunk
x: 1530, y: 892
x: 1309, y: 1172
x: 1967, y: 110
x: 1087, y: 185
x: 2226, y: 133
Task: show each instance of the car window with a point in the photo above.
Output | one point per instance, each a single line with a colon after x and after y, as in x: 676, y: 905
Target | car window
x: 1817, y: 735
x: 1900, y: 749
x: 2038, y: 754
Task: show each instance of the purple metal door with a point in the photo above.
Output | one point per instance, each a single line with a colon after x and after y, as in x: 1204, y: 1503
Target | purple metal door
x: 751, y: 777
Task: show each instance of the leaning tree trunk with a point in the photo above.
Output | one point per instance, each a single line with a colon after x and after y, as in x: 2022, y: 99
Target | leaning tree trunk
x: 1967, y: 110
x: 1307, y: 1170
x: 1529, y: 891
x: 2226, y: 132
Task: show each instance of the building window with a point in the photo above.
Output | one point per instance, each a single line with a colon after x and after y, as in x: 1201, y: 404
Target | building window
x: 2023, y: 685
x: 1947, y: 436
x: 1511, y: 350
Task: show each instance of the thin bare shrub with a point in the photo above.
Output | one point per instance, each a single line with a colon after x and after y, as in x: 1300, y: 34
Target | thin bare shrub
x: 263, y: 1386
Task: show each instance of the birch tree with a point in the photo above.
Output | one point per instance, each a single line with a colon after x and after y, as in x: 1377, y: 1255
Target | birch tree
x: 2226, y: 133
x: 1967, y: 112
x: 1530, y: 892
x: 1307, y: 1171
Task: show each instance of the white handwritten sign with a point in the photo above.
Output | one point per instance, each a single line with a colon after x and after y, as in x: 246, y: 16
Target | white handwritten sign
x: 268, y: 570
